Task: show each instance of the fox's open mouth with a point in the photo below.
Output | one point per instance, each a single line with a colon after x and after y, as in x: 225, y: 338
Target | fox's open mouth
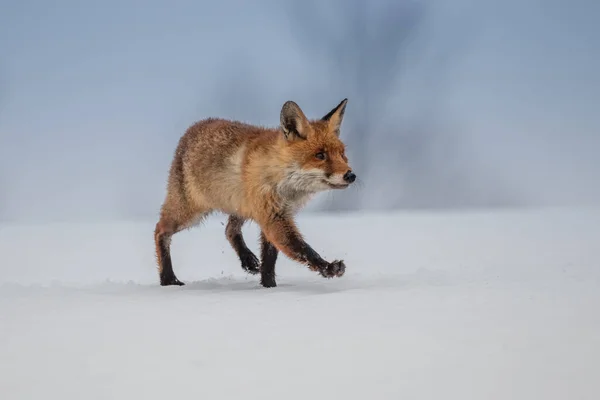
x: 337, y: 185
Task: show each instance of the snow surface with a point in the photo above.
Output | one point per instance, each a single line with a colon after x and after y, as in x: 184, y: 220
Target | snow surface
x: 479, y: 305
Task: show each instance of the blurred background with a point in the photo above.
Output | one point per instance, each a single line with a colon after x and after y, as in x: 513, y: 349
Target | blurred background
x: 452, y: 104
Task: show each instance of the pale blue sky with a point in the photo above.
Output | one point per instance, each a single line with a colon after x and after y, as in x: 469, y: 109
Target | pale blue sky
x: 94, y: 96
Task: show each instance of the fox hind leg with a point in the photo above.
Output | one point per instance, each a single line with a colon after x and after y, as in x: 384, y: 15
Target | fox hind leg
x: 162, y: 239
x: 233, y: 231
x: 164, y: 231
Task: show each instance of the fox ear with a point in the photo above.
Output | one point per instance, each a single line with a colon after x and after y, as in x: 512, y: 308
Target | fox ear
x: 336, y: 116
x: 294, y: 123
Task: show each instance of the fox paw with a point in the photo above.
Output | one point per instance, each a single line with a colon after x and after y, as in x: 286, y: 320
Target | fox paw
x: 268, y: 280
x: 336, y: 268
x: 250, y: 263
x: 170, y: 281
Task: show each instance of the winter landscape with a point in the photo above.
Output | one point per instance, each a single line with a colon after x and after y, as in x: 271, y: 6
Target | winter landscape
x: 471, y: 236
x: 434, y: 305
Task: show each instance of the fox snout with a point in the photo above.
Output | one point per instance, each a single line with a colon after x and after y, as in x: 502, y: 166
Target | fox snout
x: 341, y: 180
x: 349, y: 176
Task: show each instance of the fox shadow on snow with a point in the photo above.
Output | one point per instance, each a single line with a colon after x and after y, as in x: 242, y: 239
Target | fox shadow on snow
x: 400, y: 281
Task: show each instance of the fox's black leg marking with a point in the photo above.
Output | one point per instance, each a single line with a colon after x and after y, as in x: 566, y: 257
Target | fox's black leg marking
x: 233, y: 232
x: 283, y: 233
x: 162, y: 237
x: 268, y: 256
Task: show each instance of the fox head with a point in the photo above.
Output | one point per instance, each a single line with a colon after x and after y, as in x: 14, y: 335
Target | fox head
x: 317, y: 159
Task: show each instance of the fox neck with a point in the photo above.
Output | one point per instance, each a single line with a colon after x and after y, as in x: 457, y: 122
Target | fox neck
x: 289, y: 184
x: 296, y: 188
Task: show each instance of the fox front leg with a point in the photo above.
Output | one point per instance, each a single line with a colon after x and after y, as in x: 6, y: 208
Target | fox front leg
x: 284, y: 235
x: 268, y: 258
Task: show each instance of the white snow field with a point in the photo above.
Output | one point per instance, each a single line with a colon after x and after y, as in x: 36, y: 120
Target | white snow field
x: 466, y: 305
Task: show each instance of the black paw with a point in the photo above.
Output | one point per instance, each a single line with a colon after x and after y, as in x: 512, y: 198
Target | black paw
x: 268, y: 281
x: 250, y: 263
x: 170, y: 280
x: 336, y: 268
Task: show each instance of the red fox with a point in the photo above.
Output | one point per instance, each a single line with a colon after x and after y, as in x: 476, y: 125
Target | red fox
x: 253, y: 173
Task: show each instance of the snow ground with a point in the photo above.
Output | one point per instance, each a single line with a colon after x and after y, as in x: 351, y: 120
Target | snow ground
x: 481, y: 305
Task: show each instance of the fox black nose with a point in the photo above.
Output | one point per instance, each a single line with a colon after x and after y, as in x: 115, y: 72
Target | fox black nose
x: 349, y: 176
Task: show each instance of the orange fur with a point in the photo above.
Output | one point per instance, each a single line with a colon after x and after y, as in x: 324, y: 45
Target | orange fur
x: 253, y: 173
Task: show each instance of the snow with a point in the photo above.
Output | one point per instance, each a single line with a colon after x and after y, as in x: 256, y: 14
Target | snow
x: 465, y: 305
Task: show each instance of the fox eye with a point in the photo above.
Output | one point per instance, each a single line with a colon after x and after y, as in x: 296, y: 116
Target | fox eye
x: 320, y: 155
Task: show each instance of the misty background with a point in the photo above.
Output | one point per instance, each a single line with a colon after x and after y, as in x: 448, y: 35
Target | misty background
x: 452, y: 104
